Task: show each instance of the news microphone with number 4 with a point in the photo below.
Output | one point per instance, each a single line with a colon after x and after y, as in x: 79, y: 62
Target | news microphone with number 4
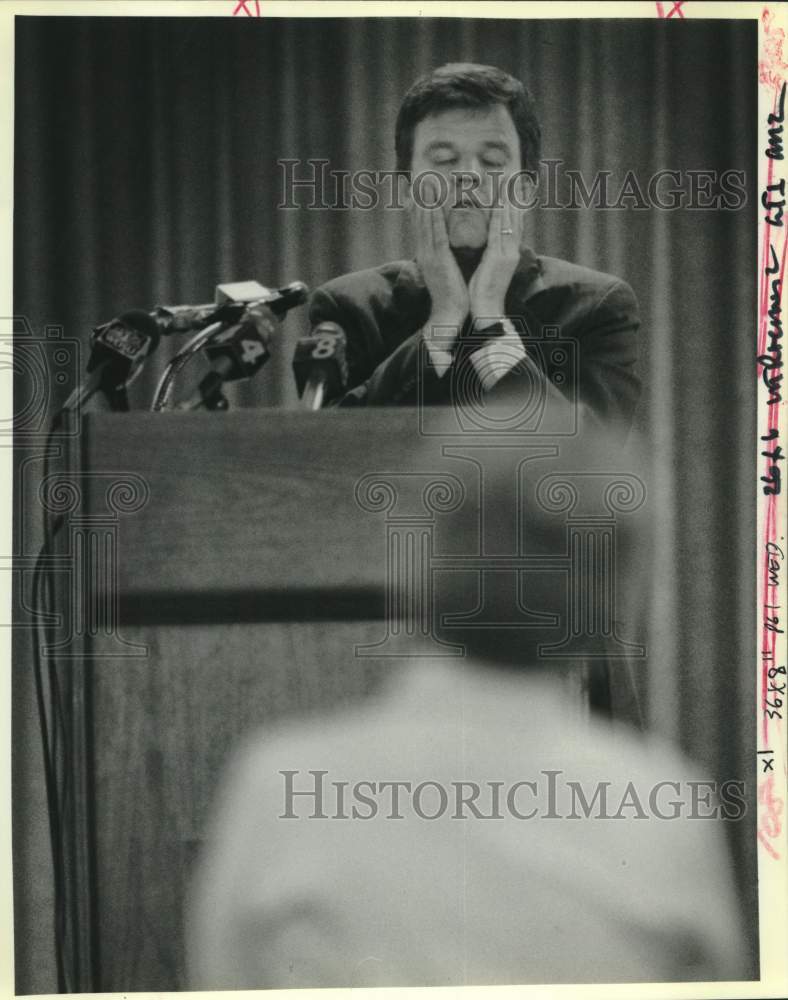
x: 320, y: 365
x: 236, y: 353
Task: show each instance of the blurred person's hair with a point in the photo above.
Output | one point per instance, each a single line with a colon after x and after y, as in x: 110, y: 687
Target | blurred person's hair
x: 592, y: 465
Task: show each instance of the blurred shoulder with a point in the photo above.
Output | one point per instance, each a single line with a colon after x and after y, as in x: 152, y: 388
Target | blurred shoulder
x: 564, y: 275
x: 369, y: 282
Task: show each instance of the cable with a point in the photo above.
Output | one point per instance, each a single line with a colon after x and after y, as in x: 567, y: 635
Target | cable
x: 50, y: 781
x: 167, y: 381
x: 55, y: 733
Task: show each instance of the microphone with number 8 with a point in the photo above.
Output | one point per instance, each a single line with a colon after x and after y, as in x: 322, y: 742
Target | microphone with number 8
x: 320, y: 365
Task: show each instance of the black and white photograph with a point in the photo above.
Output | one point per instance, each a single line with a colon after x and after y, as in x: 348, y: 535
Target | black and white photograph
x: 398, y: 532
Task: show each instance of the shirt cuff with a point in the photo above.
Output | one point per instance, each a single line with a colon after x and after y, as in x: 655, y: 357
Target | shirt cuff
x: 439, y: 359
x: 496, y: 358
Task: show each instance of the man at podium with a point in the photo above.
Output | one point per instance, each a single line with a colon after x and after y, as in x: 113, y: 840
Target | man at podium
x: 467, y: 316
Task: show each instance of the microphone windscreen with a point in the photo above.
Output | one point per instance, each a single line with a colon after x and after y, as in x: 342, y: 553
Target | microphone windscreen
x: 138, y: 319
x: 322, y: 354
x: 292, y: 295
x: 124, y: 342
x: 242, y: 347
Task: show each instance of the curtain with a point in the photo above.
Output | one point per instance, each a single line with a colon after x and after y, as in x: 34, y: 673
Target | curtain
x: 146, y: 171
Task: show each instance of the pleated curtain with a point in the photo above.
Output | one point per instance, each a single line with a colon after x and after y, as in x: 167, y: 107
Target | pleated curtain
x: 146, y: 171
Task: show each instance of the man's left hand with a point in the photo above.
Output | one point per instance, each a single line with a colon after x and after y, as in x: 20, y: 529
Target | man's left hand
x: 492, y: 277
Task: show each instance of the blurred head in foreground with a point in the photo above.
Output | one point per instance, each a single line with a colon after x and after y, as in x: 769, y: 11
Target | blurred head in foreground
x: 413, y: 839
x: 559, y: 534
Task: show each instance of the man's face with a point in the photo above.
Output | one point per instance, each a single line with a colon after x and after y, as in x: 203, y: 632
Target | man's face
x: 472, y: 141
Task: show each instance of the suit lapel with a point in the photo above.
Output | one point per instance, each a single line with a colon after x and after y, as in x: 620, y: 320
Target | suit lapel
x: 410, y: 298
x: 526, y: 282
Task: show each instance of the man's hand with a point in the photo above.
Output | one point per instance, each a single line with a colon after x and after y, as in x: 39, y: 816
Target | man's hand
x: 441, y: 273
x: 492, y: 277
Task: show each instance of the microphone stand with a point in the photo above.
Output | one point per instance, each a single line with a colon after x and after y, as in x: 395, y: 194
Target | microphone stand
x: 166, y: 384
x: 314, y: 392
x: 211, y: 395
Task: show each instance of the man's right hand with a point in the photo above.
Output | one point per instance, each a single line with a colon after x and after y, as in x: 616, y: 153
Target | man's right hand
x: 441, y: 273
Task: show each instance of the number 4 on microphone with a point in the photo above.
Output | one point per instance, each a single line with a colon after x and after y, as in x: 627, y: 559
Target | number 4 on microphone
x: 252, y: 350
x: 239, y: 351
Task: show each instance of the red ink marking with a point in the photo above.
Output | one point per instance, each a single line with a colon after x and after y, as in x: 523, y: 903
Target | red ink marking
x: 241, y: 5
x: 768, y: 846
x: 769, y: 256
x: 770, y: 825
x: 771, y: 69
x: 675, y: 9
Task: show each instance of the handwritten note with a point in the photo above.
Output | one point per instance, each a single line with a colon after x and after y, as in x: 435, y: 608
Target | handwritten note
x: 772, y: 668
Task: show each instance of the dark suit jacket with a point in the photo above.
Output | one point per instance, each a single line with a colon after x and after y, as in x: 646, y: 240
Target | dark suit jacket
x: 383, y: 309
x: 552, y: 303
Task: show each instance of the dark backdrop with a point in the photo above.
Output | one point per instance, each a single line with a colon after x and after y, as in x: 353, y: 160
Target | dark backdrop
x: 146, y: 171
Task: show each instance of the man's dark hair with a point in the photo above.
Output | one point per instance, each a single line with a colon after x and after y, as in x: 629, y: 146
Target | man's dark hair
x: 468, y: 85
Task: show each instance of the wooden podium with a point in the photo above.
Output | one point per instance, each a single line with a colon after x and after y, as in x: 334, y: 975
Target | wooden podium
x: 228, y: 570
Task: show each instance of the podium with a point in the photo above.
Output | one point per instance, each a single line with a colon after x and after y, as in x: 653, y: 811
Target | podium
x: 224, y: 572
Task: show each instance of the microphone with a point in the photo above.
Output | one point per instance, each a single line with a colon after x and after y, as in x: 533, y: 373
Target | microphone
x: 237, y: 352
x: 320, y: 364
x: 235, y: 302
x: 232, y: 300
x: 119, y: 350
